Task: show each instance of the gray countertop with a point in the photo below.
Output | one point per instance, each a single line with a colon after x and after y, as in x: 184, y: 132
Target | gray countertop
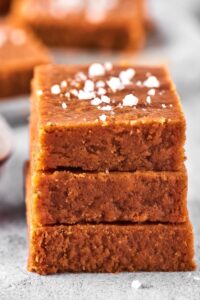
x: 178, y: 44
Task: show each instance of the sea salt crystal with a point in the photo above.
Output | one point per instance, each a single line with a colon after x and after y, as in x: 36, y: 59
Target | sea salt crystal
x: 100, y: 84
x: 127, y: 76
x: 102, y: 118
x: 86, y: 95
x: 63, y: 84
x: 130, y: 100
x: 151, y: 82
x: 96, y: 70
x: 163, y: 105
x: 115, y: 84
x: 55, y: 89
x: 89, y: 86
x: 105, y: 99
x: 106, y: 107
x: 136, y: 284
x: 148, y: 99
x: 151, y: 92
x: 64, y: 105
x: 74, y: 92
x: 101, y: 91
x: 96, y: 101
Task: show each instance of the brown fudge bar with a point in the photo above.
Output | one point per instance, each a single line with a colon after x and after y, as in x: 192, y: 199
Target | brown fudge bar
x: 20, y: 52
x: 111, y: 248
x: 108, y: 248
x: 101, y: 117
x: 66, y: 197
x: 87, y: 23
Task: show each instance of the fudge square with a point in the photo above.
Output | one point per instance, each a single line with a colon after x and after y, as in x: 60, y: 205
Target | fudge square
x: 67, y: 197
x: 85, y: 23
x: 103, y: 117
x: 20, y: 52
x: 108, y: 248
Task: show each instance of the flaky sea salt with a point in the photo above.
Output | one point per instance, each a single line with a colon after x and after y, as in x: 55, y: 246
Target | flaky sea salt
x: 148, y: 99
x: 106, y: 108
x: 136, y: 284
x: 55, y: 89
x: 74, y: 92
x: 115, y: 84
x: 102, y: 118
x: 96, y: 101
x: 151, y: 82
x: 85, y: 95
x: 163, y: 105
x: 96, y: 70
x: 105, y: 99
x: 130, y: 100
x: 151, y: 92
x: 64, y: 105
x: 100, y: 84
x: 101, y: 91
x: 63, y: 84
x: 89, y: 86
x: 126, y: 76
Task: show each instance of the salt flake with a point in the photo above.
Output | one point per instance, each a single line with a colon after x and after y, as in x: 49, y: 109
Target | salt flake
x: 115, y: 84
x: 151, y: 82
x: 64, y: 105
x: 151, y: 92
x: 96, y: 70
x: 96, y: 101
x: 130, y: 100
x: 55, y: 89
x: 102, y: 118
x: 136, y: 284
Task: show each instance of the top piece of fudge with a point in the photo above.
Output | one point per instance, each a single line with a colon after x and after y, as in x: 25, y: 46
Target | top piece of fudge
x: 85, y: 23
x: 105, y: 117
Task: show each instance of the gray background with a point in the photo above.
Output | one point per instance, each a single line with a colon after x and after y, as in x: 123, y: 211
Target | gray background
x: 177, y: 43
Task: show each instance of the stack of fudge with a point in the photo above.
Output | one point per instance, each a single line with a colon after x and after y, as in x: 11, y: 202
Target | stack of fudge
x: 106, y: 184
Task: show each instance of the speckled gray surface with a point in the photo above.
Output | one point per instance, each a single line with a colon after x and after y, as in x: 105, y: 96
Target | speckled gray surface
x: 178, y: 43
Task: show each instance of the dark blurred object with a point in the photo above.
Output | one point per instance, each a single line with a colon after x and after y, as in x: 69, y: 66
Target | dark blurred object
x: 5, y: 141
x: 4, y: 6
x: 88, y: 24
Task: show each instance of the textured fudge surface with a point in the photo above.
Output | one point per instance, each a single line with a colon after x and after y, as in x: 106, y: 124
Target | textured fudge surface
x: 106, y: 24
x: 64, y: 197
x: 20, y: 52
x: 111, y: 248
x: 108, y: 247
x: 102, y: 117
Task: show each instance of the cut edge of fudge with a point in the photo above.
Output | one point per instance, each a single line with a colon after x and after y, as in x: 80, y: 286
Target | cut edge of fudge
x: 109, y: 247
x: 71, y: 197
x: 153, y: 139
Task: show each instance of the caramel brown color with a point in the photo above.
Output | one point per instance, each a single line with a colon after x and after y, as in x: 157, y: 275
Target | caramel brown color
x: 64, y: 197
x: 20, y: 52
x: 116, y: 25
x: 111, y: 248
x: 134, y: 131
x: 108, y: 247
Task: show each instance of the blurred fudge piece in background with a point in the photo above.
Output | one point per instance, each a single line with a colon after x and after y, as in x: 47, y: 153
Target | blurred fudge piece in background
x: 115, y: 24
